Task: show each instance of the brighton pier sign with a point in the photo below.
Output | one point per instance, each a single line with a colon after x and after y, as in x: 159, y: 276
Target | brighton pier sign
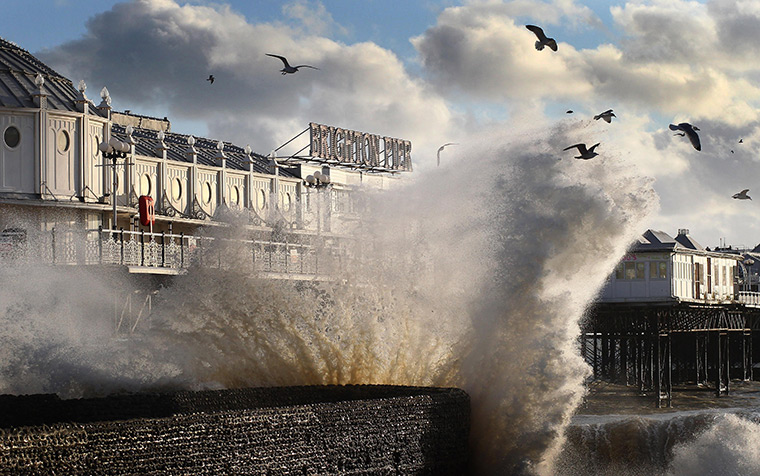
x: 359, y: 149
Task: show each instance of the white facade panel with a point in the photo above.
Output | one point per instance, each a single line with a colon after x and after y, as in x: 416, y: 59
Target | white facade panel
x: 62, y: 167
x: 207, y: 190
x: 94, y: 172
x: 17, y: 167
x: 178, y: 188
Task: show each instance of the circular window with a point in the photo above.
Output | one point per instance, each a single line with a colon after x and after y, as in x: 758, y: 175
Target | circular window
x: 145, y: 185
x: 235, y: 195
x: 176, y: 189
x: 12, y: 136
x: 261, y: 200
x: 95, y: 146
x: 206, y: 197
x: 287, y: 202
x: 64, y: 142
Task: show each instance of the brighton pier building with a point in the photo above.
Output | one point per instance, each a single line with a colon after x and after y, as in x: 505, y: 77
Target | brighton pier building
x: 675, y: 313
x: 81, y: 183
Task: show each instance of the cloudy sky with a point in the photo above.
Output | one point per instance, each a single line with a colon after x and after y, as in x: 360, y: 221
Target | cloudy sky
x: 441, y: 71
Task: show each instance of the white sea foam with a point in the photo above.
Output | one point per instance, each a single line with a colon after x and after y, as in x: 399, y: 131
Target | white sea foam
x: 475, y: 275
x: 694, y: 443
x: 731, y: 446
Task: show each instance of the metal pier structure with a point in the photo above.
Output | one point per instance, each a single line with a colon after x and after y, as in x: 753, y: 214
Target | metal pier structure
x: 654, y: 346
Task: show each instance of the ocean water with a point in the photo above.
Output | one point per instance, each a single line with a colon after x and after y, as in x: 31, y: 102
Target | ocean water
x: 474, y: 275
x: 617, y: 431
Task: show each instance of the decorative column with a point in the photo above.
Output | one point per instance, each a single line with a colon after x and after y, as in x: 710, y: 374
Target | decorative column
x: 81, y: 100
x: 40, y: 166
x: 222, y: 174
x: 192, y: 155
x: 129, y: 172
x: 250, y: 195
x: 163, y: 187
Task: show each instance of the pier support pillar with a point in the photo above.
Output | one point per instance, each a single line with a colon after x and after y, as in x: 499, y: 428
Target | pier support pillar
x: 721, y: 364
x: 701, y: 362
x: 662, y: 373
x: 747, y: 355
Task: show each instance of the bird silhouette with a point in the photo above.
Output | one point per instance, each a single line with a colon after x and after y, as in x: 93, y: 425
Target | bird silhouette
x: 742, y: 195
x: 290, y: 69
x: 542, y: 38
x: 569, y: 111
x: 606, y: 115
x: 441, y: 148
x: 210, y: 78
x: 690, y: 131
x: 585, y: 153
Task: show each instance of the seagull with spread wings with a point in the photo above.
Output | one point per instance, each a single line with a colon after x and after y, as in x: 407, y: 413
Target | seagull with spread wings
x: 290, y: 69
x: 690, y: 131
x: 606, y: 115
x: 585, y: 153
x: 742, y: 195
x: 543, y: 41
x: 210, y: 78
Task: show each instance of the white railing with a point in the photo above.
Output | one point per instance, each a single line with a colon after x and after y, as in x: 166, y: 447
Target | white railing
x: 750, y: 298
x: 170, y: 251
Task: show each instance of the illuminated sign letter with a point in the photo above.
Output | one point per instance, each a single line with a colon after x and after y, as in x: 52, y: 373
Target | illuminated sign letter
x: 324, y: 142
x: 314, y: 147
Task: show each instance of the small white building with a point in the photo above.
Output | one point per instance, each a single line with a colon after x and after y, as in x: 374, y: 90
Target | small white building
x: 660, y: 268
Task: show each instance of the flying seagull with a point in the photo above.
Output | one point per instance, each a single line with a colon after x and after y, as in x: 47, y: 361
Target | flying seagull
x: 690, y: 131
x: 441, y: 148
x: 210, y: 78
x: 742, y: 195
x: 542, y: 39
x: 290, y: 69
x: 585, y: 153
x: 606, y: 115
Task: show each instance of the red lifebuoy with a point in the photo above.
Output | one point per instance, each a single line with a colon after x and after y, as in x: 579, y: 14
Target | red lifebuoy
x: 147, y: 212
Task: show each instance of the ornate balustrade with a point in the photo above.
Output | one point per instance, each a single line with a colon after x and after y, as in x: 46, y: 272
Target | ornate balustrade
x: 163, y: 252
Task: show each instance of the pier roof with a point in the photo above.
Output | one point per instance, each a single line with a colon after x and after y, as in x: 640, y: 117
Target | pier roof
x: 176, y: 147
x: 18, y: 70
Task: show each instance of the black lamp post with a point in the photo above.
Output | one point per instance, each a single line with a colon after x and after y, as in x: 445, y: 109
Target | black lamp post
x: 112, y: 151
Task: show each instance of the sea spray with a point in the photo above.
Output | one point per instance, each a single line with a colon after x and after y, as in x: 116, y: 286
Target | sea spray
x: 474, y: 275
x: 715, y: 442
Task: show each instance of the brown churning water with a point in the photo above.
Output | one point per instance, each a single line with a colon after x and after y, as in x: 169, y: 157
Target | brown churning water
x: 474, y: 275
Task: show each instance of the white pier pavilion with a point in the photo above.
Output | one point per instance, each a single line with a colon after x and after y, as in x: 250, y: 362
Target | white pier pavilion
x: 72, y: 174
